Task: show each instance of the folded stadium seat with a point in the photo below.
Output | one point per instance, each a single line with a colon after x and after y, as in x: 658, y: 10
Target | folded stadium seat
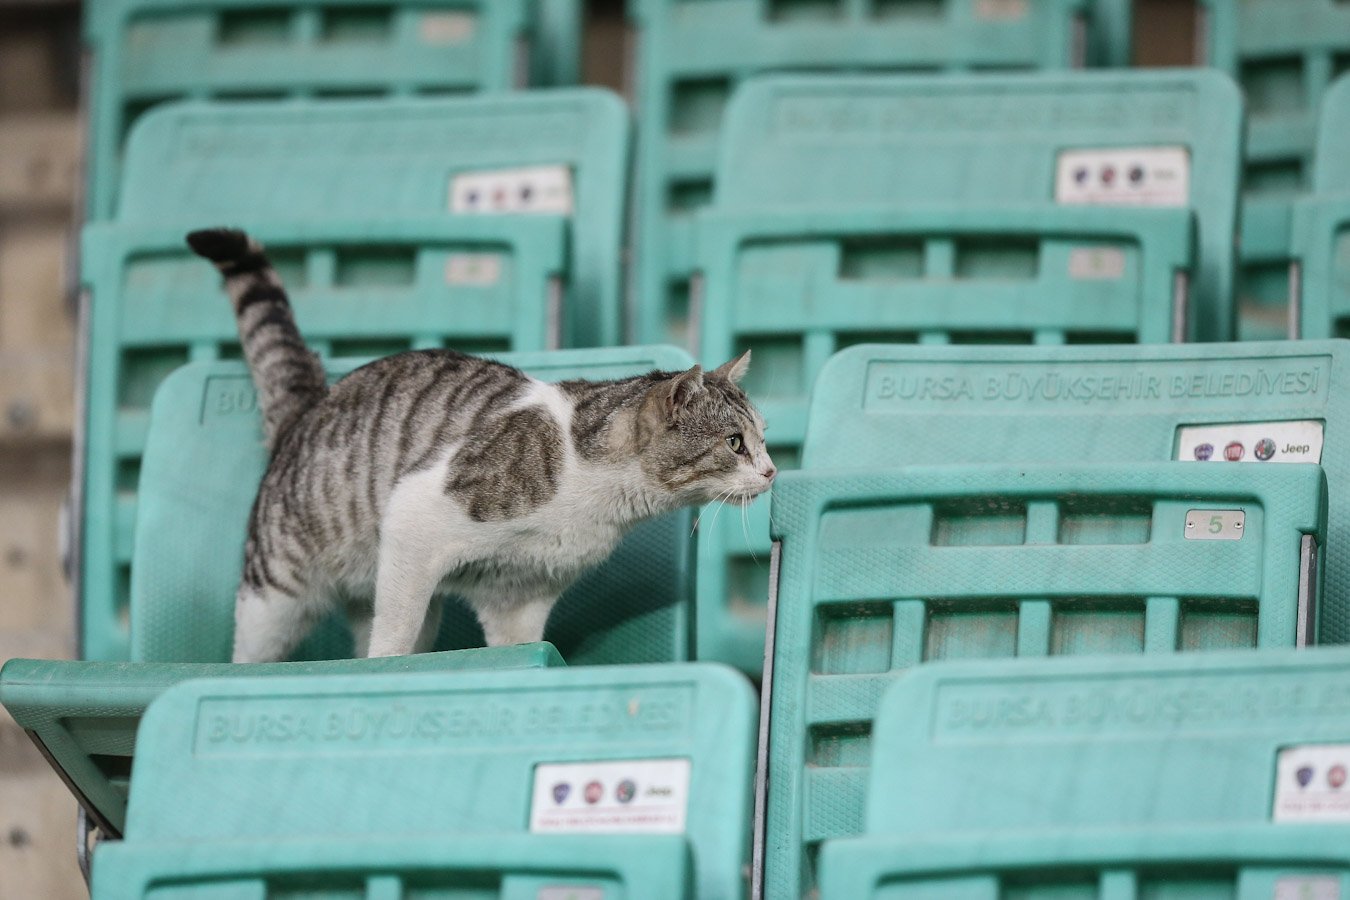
x: 594, y: 784
x: 147, y: 52
x: 373, y: 212
x: 83, y: 715
x: 884, y: 570
x: 203, y: 461
x: 1255, y: 403
x: 960, y: 209
x: 690, y: 57
x: 1320, y: 306
x: 1285, y: 54
x: 1207, y: 775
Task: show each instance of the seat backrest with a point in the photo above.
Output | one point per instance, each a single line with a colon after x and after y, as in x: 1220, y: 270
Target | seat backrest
x: 1188, y: 740
x: 1255, y: 402
x: 147, y: 52
x: 691, y: 57
x: 1186, y: 775
x: 836, y: 193
x: 822, y: 144
x: 358, y: 288
x: 84, y: 715
x: 884, y: 570
x: 1320, y: 223
x: 1285, y: 55
x: 794, y: 288
x: 204, y: 459
x: 561, y: 152
x: 655, y: 750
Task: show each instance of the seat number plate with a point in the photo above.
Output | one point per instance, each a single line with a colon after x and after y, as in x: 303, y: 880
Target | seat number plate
x: 1215, y: 524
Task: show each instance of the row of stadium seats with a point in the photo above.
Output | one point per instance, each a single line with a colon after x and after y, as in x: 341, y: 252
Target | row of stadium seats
x: 690, y: 57
x: 148, y: 52
x: 1173, y: 775
x: 868, y: 236
x: 1055, y: 526
x: 352, y: 198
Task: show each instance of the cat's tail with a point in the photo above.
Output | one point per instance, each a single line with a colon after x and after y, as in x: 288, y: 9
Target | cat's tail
x: 287, y: 374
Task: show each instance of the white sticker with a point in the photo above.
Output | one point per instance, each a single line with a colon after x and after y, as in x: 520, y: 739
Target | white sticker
x: 1005, y: 10
x: 645, y: 796
x: 1279, y: 442
x: 1307, y: 887
x: 1311, y: 784
x: 1096, y: 263
x: 1145, y: 176
x: 473, y: 269
x: 533, y: 189
x: 442, y: 28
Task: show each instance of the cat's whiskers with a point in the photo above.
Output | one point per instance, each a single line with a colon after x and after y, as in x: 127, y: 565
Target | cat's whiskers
x: 699, y: 517
x: 721, y: 502
x: 745, y: 527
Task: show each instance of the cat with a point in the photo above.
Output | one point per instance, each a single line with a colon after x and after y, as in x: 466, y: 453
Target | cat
x: 434, y: 472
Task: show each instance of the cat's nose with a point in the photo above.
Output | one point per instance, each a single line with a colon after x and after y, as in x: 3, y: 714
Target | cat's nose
x: 770, y: 472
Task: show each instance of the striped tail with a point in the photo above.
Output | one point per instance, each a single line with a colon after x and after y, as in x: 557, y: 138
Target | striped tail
x: 287, y: 374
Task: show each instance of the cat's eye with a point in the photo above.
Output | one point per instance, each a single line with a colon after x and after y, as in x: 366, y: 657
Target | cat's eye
x: 736, y: 443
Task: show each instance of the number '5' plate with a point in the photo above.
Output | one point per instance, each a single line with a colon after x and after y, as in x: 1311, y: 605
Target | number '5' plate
x: 1215, y: 524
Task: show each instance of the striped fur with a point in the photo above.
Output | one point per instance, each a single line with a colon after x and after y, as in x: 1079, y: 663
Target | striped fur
x: 434, y: 473
x: 288, y: 376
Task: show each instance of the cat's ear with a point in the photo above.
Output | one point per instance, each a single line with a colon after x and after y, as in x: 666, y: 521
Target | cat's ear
x: 734, y: 370
x: 681, y: 389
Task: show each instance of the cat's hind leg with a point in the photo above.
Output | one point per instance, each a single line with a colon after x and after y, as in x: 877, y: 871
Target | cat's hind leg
x: 360, y: 619
x: 519, y: 622
x: 269, y: 623
x: 408, y: 575
x: 431, y: 626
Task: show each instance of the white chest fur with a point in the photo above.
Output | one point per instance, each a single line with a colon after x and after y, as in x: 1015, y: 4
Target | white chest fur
x: 550, y: 545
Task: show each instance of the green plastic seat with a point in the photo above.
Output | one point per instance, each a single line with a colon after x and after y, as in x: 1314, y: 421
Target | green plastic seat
x: 1177, y: 776
x: 1322, y: 308
x: 147, y: 52
x: 555, y: 50
x: 894, y: 405
x: 500, y: 867
x: 84, y: 715
x: 691, y: 57
x: 1286, y: 55
x: 355, y: 199
x: 398, y: 159
x: 885, y: 570
x: 836, y: 144
x: 1188, y: 862
x: 359, y: 289
x: 823, y: 156
x: 636, y: 607
x: 1111, y: 33
x: 500, y: 781
x: 796, y: 287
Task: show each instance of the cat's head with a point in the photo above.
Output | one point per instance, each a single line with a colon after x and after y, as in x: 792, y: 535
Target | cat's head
x: 703, y: 439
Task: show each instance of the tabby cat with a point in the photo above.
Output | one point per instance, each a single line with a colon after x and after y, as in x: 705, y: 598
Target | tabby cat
x: 432, y: 472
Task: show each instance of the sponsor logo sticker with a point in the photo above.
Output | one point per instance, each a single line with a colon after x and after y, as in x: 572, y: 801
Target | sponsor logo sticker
x: 1310, y: 784
x: 642, y: 796
x: 1269, y: 442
